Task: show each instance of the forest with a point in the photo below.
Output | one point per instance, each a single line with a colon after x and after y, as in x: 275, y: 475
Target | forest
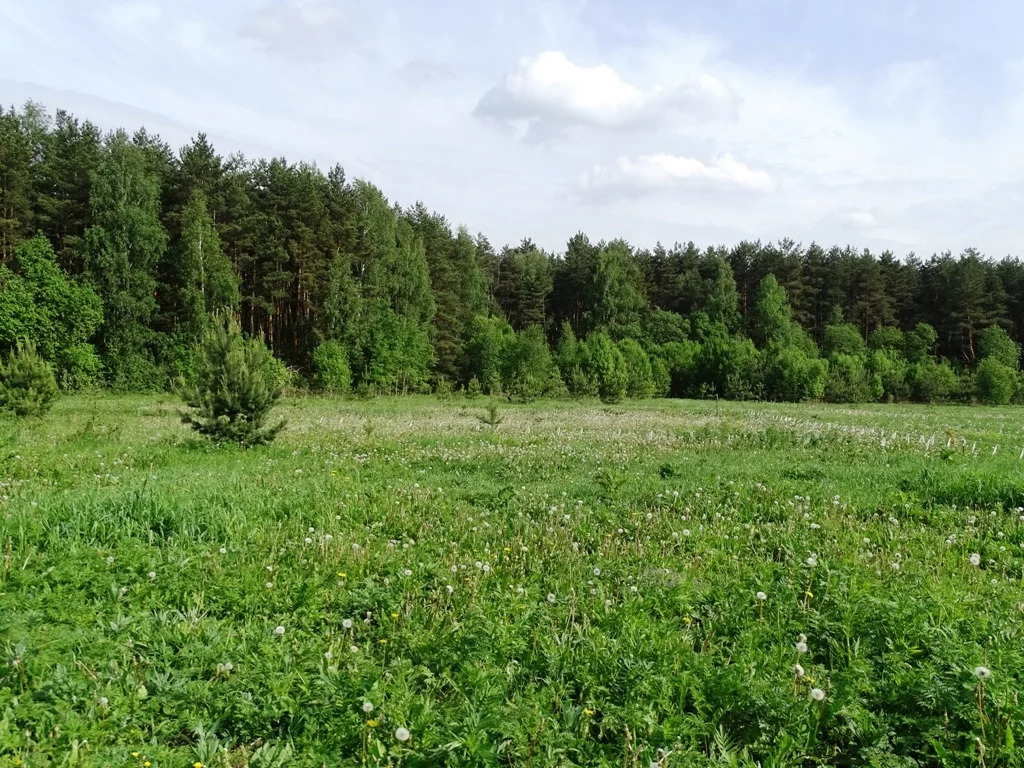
x: 115, y: 250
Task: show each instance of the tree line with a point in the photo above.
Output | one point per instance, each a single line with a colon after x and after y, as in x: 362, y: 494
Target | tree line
x: 116, y: 250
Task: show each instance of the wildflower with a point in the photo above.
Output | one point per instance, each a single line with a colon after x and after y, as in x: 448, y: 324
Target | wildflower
x: 686, y: 531
x: 346, y: 623
x: 402, y: 734
x: 407, y: 572
x: 341, y: 575
x: 372, y: 723
x: 328, y: 655
x: 817, y: 694
x: 367, y: 707
x: 110, y: 560
x: 146, y: 764
x: 308, y: 540
x: 975, y: 559
x: 354, y: 648
x: 551, y: 597
x: 982, y: 673
x: 762, y: 596
x: 135, y: 754
x: 588, y: 712
x: 801, y: 647
x: 798, y: 670
x: 152, y: 575
x: 597, y: 571
x: 269, y: 585
x: 223, y: 550
x: 197, y: 764
x: 802, y: 637
x: 103, y: 702
x: 812, y: 561
x: 279, y: 630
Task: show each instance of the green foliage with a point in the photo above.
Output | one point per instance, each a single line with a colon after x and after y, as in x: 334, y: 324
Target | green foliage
x: 920, y: 342
x: 891, y: 369
x: 995, y: 381
x: 38, y: 301
x: 236, y: 387
x: 331, y: 371
x: 773, y: 317
x: 639, y: 372
x: 849, y: 380
x: 491, y: 417
x: 473, y: 388
x: 843, y: 339
x: 995, y: 344
x: 207, y: 282
x: 79, y: 367
x: 27, y: 383
x: 793, y: 375
x: 930, y: 381
x: 887, y: 338
x: 602, y: 363
x: 120, y: 253
x: 527, y: 368
x: 681, y: 362
x: 485, y: 350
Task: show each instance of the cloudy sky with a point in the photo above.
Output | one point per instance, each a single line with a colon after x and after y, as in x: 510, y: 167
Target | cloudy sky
x: 878, y: 123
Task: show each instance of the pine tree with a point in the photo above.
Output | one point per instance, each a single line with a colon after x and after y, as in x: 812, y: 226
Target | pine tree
x: 235, y: 387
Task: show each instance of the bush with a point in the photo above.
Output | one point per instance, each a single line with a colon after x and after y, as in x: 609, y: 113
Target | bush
x: 931, y: 381
x: 79, y: 367
x: 331, y: 372
x: 848, y: 380
x: 526, y: 364
x: 995, y: 343
x: 792, y: 375
x: 995, y: 382
x: 27, y: 383
x: 238, y: 382
x: 473, y: 388
x: 602, y: 363
x: 639, y: 374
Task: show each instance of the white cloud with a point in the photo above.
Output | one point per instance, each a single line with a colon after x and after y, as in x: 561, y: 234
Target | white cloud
x: 134, y: 17
x: 549, y: 92
x: 662, y: 172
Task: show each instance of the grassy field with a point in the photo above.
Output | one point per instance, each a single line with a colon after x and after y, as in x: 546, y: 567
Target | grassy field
x: 393, y: 582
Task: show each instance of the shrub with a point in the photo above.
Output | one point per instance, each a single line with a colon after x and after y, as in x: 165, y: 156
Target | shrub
x: 602, y: 363
x: 639, y: 374
x: 931, y: 381
x: 331, y: 372
x: 848, y: 380
x: 526, y: 364
x: 27, y: 383
x: 995, y: 343
x: 79, y: 367
x: 995, y: 382
x: 792, y: 375
x: 236, y: 386
x: 473, y: 388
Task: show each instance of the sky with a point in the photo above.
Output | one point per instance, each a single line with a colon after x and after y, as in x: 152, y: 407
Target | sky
x: 886, y: 124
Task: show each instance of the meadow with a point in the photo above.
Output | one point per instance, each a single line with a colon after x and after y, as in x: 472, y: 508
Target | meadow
x: 396, y: 582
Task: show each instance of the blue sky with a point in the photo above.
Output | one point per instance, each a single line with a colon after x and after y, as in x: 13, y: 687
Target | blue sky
x: 883, y: 124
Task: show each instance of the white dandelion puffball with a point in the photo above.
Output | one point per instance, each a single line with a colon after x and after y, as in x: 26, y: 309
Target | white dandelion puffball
x: 982, y: 673
x: 402, y: 734
x: 346, y: 623
x: 228, y: 666
x: 110, y: 560
x: 279, y: 630
x: 223, y: 550
x: 103, y: 701
x: 802, y: 637
x: 354, y: 648
x: 798, y: 670
x: 551, y: 597
x: 328, y: 655
x: 367, y: 707
x: 152, y: 575
x: 812, y: 561
x: 817, y: 694
x: 975, y: 559
x: 801, y: 647
x: 597, y: 571
x: 762, y: 596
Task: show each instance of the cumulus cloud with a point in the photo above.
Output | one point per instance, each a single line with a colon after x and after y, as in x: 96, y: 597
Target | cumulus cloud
x: 549, y: 93
x: 660, y: 172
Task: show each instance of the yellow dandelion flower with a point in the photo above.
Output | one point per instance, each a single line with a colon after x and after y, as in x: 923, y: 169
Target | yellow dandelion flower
x: 809, y: 593
x: 588, y: 712
x: 687, y: 620
x: 394, y: 615
x: 383, y: 641
x: 146, y: 764
x: 197, y: 764
x: 372, y: 723
x: 135, y: 754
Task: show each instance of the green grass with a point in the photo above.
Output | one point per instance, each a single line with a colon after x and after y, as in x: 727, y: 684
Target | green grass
x: 577, y: 586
